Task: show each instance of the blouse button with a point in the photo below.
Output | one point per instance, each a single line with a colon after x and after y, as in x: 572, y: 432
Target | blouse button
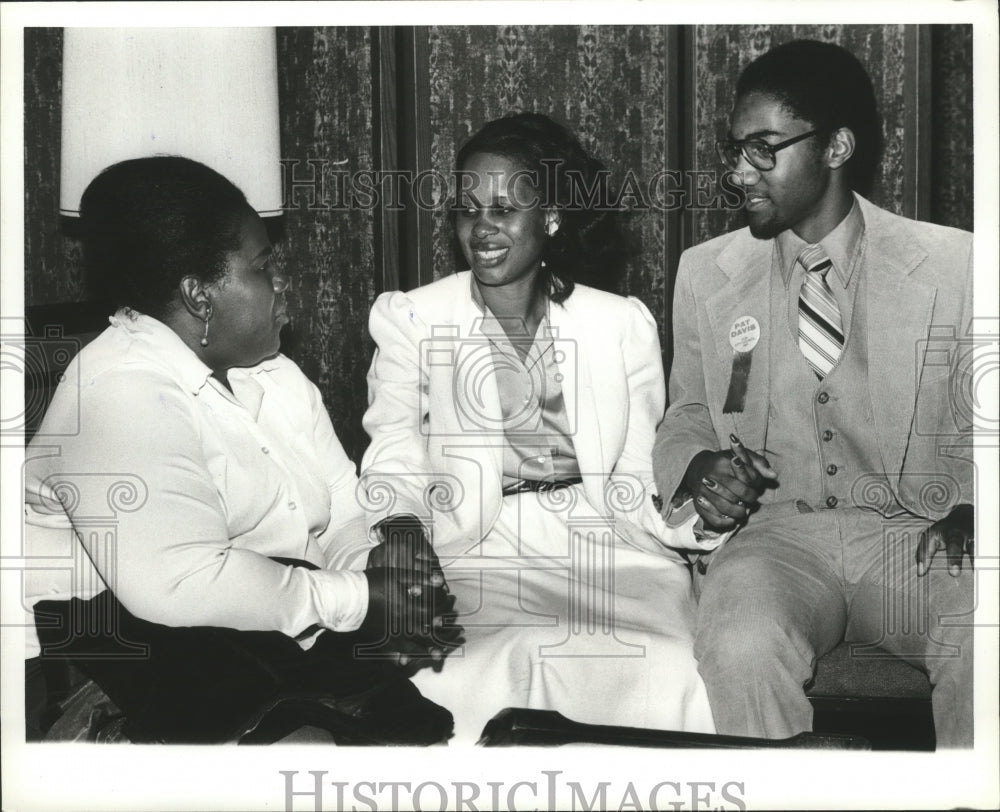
x: 831, y: 469
x: 831, y: 501
x: 265, y: 449
x: 291, y: 506
x: 827, y: 435
x: 823, y: 397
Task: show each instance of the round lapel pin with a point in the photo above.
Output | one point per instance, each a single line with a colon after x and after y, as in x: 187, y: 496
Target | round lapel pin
x: 744, y: 334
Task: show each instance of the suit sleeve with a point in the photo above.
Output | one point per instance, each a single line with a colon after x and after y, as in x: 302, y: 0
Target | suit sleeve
x: 396, y: 471
x: 687, y: 426
x: 956, y: 427
x: 966, y: 465
x: 633, y: 474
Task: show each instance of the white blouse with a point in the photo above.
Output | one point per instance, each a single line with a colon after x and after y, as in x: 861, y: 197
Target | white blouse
x: 180, y: 491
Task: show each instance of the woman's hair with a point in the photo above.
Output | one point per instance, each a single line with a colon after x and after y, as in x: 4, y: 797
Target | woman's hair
x: 149, y: 222
x: 825, y: 85
x: 588, y: 247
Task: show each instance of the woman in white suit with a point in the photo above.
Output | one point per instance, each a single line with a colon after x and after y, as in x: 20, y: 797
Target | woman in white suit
x: 512, y: 413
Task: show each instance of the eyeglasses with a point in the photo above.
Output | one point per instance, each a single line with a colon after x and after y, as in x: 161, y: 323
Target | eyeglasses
x: 280, y: 283
x: 759, y: 154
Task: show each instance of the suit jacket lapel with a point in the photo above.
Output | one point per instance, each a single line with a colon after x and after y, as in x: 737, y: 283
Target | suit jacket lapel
x: 899, y: 314
x: 482, y: 395
x: 582, y: 408
x: 747, y: 264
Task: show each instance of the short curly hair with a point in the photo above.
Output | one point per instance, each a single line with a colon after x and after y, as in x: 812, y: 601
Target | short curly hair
x: 826, y: 85
x: 589, y: 247
x: 147, y: 223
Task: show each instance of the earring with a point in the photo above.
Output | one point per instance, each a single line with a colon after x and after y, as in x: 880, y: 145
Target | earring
x: 552, y: 228
x: 204, y: 338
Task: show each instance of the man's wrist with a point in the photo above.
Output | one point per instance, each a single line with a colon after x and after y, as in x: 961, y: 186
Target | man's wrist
x: 689, y: 482
x: 681, y: 496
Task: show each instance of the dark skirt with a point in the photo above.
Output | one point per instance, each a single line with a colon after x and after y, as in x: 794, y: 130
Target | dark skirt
x: 205, y: 684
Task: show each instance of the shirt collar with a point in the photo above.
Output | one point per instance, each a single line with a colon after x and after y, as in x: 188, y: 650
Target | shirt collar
x: 168, y: 349
x: 491, y: 327
x: 841, y: 245
x: 166, y: 346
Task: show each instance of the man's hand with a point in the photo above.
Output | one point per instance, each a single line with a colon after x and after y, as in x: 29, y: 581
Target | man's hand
x: 726, y: 485
x: 953, y: 534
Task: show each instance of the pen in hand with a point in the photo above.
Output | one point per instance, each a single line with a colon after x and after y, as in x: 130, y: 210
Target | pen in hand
x: 752, y: 464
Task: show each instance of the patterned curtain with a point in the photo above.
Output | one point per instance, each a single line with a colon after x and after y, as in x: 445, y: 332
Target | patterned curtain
x: 642, y: 98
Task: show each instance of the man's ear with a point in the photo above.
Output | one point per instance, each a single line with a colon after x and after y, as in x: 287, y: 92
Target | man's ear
x: 840, y: 148
x: 195, y: 297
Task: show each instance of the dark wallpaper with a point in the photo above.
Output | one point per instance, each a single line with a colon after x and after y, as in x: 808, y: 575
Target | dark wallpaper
x: 951, y: 126
x: 608, y: 84
x: 325, y: 97
x: 642, y: 98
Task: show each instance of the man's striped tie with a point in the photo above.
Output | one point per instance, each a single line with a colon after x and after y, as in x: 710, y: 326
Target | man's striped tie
x: 821, y: 334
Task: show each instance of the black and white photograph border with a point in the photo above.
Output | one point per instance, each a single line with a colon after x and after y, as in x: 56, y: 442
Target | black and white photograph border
x: 71, y: 776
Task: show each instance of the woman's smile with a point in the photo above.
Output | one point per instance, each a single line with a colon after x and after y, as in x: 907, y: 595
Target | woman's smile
x: 487, y: 257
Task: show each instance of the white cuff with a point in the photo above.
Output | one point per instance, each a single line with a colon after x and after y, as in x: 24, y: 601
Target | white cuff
x: 340, y: 598
x: 685, y: 518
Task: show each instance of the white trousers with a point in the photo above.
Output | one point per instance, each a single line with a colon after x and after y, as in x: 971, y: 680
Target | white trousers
x: 562, y: 613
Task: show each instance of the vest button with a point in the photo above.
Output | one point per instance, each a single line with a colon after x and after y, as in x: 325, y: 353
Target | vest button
x: 827, y: 436
x: 831, y: 469
x: 831, y: 501
x: 823, y: 397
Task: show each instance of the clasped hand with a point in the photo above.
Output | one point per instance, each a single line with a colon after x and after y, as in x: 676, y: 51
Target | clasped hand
x: 410, y: 611
x: 726, y: 485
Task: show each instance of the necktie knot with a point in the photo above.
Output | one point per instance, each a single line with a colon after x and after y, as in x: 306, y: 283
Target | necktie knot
x: 814, y: 259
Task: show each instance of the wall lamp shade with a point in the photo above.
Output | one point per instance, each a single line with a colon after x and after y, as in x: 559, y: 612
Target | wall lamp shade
x: 210, y: 94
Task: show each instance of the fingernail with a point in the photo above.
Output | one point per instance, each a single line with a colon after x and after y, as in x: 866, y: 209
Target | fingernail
x: 735, y: 439
x: 708, y: 483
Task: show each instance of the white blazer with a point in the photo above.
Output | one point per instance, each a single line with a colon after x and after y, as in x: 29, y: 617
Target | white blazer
x: 436, y: 426
x: 435, y: 420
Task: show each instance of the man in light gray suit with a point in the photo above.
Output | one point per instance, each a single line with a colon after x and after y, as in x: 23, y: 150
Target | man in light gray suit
x: 813, y: 409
